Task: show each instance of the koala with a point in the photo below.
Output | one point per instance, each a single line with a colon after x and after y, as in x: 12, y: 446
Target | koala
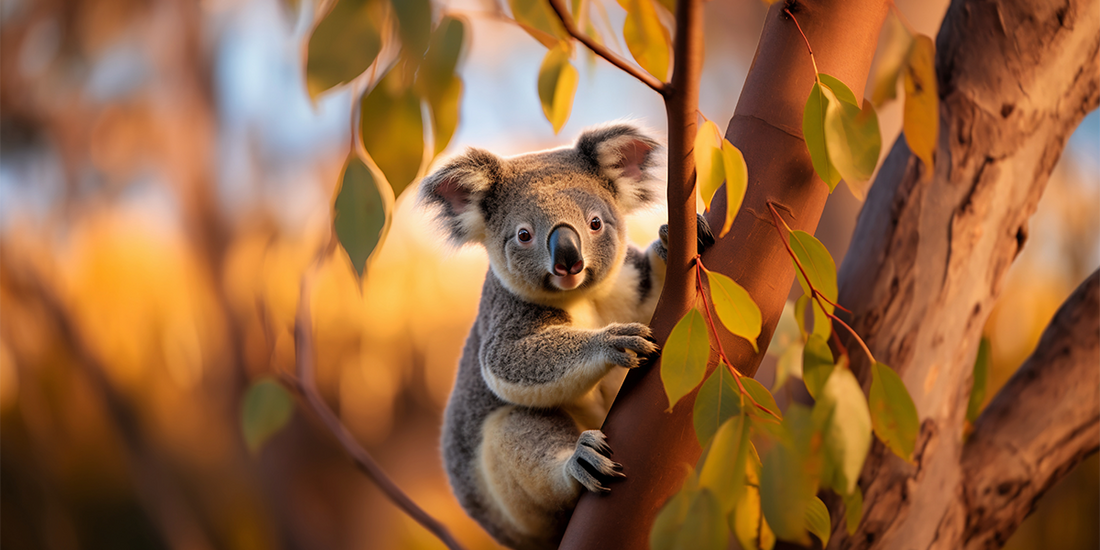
x: 559, y: 323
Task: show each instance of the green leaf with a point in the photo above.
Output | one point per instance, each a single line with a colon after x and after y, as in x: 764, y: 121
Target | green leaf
x: 414, y: 24
x: 670, y: 520
x: 817, y: 364
x: 723, y: 471
x: 557, y: 85
x: 718, y: 400
x: 747, y: 521
x: 800, y: 312
x: 853, y: 510
x: 854, y: 142
x: 788, y: 365
x: 709, y: 163
x: 646, y: 38
x: 896, y: 42
x: 813, y: 130
x: 343, y: 45
x: 735, y: 308
x: 762, y: 396
x: 845, y: 424
x: 817, y: 520
x: 839, y: 89
x: 737, y: 182
x: 392, y: 129
x: 785, y: 493
x: 265, y: 409
x: 359, y: 213
x: 684, y: 359
x: 893, y: 414
x: 821, y: 269
x: 705, y: 524
x: 922, y: 111
x: 981, y: 373
x: 539, y: 20
x: 438, y: 83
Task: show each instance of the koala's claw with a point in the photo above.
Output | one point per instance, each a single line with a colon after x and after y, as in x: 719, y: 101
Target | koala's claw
x: 590, y: 464
x: 631, y: 344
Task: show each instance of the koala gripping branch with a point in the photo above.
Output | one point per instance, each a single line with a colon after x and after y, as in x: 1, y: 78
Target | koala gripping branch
x: 652, y: 444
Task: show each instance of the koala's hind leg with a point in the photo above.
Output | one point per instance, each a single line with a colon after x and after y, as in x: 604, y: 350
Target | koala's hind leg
x: 534, y: 465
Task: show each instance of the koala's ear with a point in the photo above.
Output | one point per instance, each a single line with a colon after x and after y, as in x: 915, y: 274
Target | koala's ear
x: 455, y: 191
x: 628, y: 158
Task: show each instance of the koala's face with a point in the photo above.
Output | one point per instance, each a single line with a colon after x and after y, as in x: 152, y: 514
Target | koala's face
x: 552, y: 221
x: 561, y: 231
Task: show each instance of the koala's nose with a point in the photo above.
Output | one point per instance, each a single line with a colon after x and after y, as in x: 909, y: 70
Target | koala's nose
x: 565, y: 251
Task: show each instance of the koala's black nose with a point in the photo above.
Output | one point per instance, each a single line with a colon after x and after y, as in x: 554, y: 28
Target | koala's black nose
x: 565, y: 251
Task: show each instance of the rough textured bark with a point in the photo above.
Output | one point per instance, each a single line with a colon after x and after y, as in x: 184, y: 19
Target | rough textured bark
x: 1043, y: 422
x: 930, y: 251
x: 653, y: 444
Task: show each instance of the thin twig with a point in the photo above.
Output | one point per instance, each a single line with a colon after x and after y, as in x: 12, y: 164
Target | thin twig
x: 806, y: 40
x: 600, y: 50
x: 307, y: 386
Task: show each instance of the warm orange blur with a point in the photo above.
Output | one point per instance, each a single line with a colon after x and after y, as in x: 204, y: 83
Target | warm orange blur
x: 144, y: 285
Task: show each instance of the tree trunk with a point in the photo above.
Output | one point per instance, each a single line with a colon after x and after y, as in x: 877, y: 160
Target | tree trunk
x: 652, y: 443
x: 927, y: 262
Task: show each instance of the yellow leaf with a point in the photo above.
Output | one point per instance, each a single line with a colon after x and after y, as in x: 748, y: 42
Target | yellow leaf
x: 557, y: 85
x: 646, y: 38
x: 539, y: 20
x: 922, y: 112
x: 709, y: 166
x: 737, y: 182
x: 896, y: 42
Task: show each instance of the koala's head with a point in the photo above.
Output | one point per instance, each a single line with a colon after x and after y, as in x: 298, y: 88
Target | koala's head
x: 552, y: 221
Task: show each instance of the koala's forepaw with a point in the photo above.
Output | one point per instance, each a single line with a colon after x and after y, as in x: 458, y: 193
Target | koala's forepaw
x: 591, y: 464
x: 630, y: 344
x: 704, y: 237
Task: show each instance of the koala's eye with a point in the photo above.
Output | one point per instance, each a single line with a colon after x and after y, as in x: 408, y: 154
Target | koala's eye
x: 595, y: 224
x: 524, y: 236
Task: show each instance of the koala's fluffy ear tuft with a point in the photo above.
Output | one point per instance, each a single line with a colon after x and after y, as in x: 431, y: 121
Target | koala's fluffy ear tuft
x: 628, y: 157
x: 455, y: 191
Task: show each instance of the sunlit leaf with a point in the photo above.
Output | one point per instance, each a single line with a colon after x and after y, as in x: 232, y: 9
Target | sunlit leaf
x: 977, y: 390
x: 845, y: 423
x: 817, y: 520
x: 342, y: 46
x: 539, y: 20
x: 265, y: 409
x: 718, y: 400
x: 670, y: 520
x: 788, y: 365
x: 893, y: 414
x: 709, y: 164
x: 785, y: 493
x: 359, y: 213
x: 736, y: 309
x: 557, y: 85
x: 839, y: 89
x: 821, y: 269
x: 646, y: 38
x: 922, y: 111
x: 684, y: 359
x: 800, y: 313
x: 705, y: 525
x: 414, y: 24
x: 762, y: 396
x: 853, y: 139
x: 813, y: 131
x: 891, y: 58
x: 853, y: 510
x: 723, y: 471
x: 392, y: 129
x: 817, y: 364
x: 439, y: 84
x: 747, y: 522
x: 737, y: 182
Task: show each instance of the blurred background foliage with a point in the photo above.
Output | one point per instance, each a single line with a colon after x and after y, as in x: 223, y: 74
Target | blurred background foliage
x: 166, y: 175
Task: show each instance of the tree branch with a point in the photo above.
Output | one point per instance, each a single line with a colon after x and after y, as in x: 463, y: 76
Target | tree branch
x: 1043, y: 422
x: 602, y: 51
x: 306, y: 384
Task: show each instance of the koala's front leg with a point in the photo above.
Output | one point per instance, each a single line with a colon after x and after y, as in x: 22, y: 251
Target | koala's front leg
x: 559, y: 363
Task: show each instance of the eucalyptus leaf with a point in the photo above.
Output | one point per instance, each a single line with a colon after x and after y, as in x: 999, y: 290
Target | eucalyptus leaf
x: 735, y: 307
x: 265, y: 409
x: 893, y: 414
x: 359, y: 213
x: 557, y: 85
x: 684, y: 359
x: 718, y: 400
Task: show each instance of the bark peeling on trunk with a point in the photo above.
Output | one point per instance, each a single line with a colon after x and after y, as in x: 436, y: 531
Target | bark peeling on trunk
x: 930, y: 251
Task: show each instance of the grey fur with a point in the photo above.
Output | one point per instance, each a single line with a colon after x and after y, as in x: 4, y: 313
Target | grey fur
x: 539, y: 368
